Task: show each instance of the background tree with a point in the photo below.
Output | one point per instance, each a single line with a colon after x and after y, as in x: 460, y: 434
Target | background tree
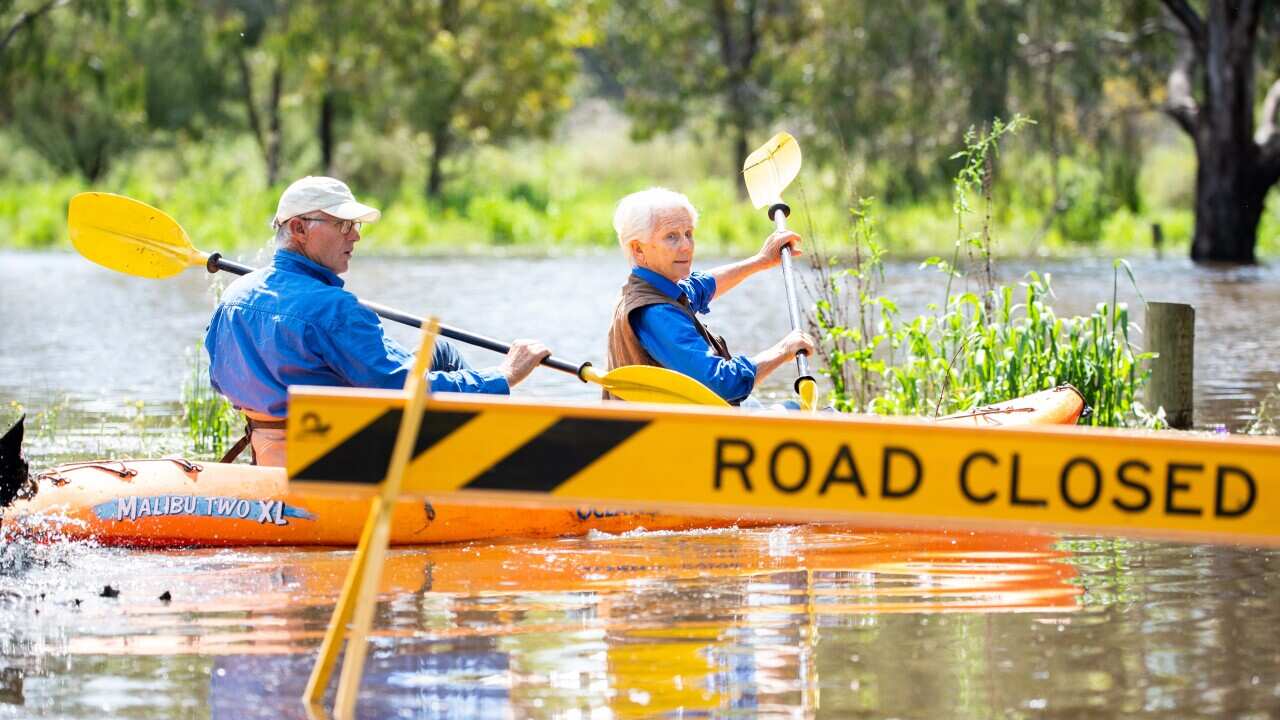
x: 72, y: 90
x: 722, y: 58
x: 84, y: 81
x: 1212, y: 95
x: 464, y: 72
x: 254, y: 35
x: 876, y: 93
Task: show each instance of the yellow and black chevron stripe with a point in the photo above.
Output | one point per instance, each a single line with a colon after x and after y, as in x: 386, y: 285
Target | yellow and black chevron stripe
x: 540, y: 464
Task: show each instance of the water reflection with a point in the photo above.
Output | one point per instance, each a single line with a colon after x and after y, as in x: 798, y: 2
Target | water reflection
x: 639, y: 624
x: 825, y: 621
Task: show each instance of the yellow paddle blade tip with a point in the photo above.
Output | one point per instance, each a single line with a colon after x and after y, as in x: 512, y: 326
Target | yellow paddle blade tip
x: 808, y: 395
x: 643, y: 383
x: 129, y: 236
x: 771, y: 168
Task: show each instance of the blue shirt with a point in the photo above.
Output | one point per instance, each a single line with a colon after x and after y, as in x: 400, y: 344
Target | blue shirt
x: 669, y: 335
x: 292, y: 323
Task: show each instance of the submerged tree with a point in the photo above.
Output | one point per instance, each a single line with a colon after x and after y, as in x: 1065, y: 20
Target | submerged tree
x: 1212, y: 98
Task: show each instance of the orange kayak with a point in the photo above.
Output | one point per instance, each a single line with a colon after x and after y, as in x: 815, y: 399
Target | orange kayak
x: 176, y: 502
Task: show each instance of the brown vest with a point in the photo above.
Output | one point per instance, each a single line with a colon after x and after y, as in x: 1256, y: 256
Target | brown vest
x: 625, y: 347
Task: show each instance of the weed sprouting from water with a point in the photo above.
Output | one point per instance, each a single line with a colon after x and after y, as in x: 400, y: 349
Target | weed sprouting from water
x: 1266, y: 419
x: 975, y: 348
x: 209, y: 418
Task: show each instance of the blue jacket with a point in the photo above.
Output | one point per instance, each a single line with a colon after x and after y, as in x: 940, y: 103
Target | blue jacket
x: 670, y: 337
x: 292, y: 323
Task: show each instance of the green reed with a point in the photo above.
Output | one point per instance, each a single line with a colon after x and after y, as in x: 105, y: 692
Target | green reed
x: 209, y: 419
x: 975, y: 348
x: 1266, y: 419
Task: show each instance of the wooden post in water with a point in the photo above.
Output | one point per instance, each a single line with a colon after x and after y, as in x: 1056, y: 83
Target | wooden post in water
x: 1171, y: 332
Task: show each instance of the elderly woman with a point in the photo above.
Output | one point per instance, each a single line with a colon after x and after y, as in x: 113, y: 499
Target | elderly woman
x: 655, y: 321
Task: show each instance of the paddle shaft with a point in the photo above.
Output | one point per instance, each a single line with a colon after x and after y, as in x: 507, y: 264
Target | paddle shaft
x: 216, y: 262
x: 778, y: 212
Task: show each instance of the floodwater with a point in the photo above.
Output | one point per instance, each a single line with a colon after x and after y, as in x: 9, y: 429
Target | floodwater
x: 83, y: 339
x: 779, y: 622
x: 784, y: 622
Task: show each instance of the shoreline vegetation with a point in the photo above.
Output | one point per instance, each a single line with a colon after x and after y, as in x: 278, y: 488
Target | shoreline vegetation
x: 557, y: 197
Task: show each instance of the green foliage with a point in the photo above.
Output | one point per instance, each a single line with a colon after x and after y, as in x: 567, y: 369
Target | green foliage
x: 1266, y: 419
x: 467, y: 73
x: 967, y: 356
x: 975, y: 348
x: 72, y: 90
x: 726, y: 61
x: 209, y: 419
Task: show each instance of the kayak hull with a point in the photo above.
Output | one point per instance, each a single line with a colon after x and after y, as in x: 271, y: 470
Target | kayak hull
x: 178, y: 503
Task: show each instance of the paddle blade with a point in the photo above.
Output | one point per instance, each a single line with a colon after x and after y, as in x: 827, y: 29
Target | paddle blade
x: 129, y: 236
x: 642, y: 383
x: 771, y: 168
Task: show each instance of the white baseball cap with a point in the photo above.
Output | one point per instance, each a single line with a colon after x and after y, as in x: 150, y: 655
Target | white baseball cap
x: 326, y: 194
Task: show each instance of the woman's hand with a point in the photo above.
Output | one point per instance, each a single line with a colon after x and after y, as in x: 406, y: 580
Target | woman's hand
x: 770, y: 254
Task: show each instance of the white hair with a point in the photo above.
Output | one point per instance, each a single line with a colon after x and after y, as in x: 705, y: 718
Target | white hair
x: 283, y: 236
x: 634, y: 218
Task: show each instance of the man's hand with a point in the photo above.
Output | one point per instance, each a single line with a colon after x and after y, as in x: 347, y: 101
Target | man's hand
x: 521, y: 359
x: 770, y: 254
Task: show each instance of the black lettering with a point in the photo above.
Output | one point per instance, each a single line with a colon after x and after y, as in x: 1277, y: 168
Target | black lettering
x: 964, y: 477
x: 723, y: 464
x: 773, y: 467
x: 1122, y: 473
x: 1064, y: 483
x: 886, y: 486
x: 834, y: 475
x: 1219, y: 492
x: 1172, y: 486
x: 1014, y: 498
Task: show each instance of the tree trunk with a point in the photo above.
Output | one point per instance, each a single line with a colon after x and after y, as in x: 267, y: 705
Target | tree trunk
x: 740, y: 153
x: 324, y: 131
x: 269, y: 138
x: 738, y: 55
x: 1229, y: 203
x: 441, y: 141
x: 1234, y: 169
x: 274, y: 135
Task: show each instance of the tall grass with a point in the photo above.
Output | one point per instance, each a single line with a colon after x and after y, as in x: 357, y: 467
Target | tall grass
x: 1266, y: 419
x: 974, y: 348
x: 209, y: 420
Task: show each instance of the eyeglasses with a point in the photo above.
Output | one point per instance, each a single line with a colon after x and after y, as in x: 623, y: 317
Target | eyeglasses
x: 344, y: 226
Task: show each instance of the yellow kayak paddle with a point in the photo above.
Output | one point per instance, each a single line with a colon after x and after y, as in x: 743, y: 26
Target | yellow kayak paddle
x: 767, y: 172
x: 134, y: 238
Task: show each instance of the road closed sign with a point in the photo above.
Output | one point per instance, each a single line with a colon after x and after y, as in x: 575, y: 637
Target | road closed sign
x: 801, y: 466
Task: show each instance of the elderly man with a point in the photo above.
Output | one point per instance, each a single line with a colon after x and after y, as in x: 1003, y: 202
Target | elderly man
x: 292, y: 323
x: 655, y: 321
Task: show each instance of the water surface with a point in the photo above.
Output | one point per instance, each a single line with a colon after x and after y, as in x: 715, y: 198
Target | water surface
x: 791, y: 621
